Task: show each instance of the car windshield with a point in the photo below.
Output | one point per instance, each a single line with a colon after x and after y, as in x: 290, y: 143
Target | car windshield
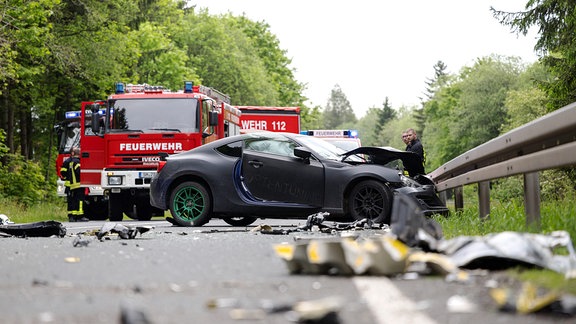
x: 324, y: 149
x: 344, y: 143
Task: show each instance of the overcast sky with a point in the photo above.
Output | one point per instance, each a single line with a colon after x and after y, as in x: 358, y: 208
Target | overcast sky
x: 375, y: 49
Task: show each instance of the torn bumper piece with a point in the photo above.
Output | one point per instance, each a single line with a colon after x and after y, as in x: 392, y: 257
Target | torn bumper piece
x: 37, y: 229
x: 503, y: 250
x: 378, y: 256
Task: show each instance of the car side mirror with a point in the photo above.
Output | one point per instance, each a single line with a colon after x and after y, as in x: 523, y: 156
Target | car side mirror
x: 303, y: 153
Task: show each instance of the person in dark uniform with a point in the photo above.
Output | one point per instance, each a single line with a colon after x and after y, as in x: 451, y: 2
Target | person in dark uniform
x: 70, y: 173
x: 413, y: 144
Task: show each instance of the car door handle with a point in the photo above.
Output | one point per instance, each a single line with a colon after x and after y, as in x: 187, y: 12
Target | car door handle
x: 255, y: 163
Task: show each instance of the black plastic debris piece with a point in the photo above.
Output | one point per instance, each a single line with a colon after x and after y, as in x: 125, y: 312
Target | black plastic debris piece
x: 124, y: 232
x: 36, y: 229
x: 411, y: 226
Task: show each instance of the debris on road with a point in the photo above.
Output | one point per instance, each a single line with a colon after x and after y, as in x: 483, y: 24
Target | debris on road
x: 4, y: 220
x: 36, y: 229
x: 123, y: 231
x: 461, y: 304
x: 79, y: 241
x: 416, y: 239
x: 530, y: 299
x: 130, y: 314
x: 323, y: 310
x: 72, y: 259
x: 504, y: 250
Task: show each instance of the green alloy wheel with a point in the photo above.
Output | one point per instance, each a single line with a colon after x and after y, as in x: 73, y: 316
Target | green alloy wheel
x: 190, y: 204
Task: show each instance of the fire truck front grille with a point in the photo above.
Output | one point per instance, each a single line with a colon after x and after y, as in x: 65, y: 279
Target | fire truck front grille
x: 140, y: 181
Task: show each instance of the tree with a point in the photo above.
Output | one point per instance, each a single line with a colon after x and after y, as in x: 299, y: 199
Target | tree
x: 310, y: 118
x: 526, y: 101
x: 556, y: 23
x: 439, y: 80
x: 26, y: 31
x: 385, y: 114
x: 275, y: 61
x: 390, y: 135
x: 440, y: 140
x: 338, y: 109
x: 481, y: 109
x: 225, y: 58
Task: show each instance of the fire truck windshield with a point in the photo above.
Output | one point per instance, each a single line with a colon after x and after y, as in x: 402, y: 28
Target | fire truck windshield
x: 155, y: 115
x: 69, y: 137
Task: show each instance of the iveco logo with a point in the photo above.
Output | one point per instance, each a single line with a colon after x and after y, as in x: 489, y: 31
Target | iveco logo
x: 151, y: 159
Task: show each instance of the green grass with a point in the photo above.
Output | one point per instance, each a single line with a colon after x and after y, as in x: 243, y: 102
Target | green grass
x: 510, y: 216
x: 19, y: 213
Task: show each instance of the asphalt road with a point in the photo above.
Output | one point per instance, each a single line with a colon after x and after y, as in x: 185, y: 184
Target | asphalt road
x: 214, y: 274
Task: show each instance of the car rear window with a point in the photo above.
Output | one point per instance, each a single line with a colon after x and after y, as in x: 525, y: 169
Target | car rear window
x: 233, y: 149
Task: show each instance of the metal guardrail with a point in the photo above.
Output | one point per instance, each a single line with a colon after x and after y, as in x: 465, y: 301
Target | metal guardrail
x: 546, y: 143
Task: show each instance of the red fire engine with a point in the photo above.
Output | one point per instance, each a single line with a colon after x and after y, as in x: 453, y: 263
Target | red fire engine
x: 120, y: 149
x: 273, y: 119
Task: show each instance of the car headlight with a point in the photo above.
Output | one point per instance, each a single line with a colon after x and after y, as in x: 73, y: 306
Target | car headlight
x: 115, y: 180
x: 409, y: 182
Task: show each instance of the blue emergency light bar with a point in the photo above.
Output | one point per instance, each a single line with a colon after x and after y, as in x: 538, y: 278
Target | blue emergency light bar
x: 72, y: 114
x: 349, y: 133
x: 76, y: 114
x: 119, y: 87
x: 188, y: 86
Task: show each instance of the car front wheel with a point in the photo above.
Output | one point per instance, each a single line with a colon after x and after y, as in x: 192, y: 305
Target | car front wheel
x: 370, y: 199
x: 190, y: 204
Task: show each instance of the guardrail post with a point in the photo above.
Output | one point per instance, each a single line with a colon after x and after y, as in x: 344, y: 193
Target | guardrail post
x: 459, y: 198
x: 532, y: 199
x: 484, y: 199
x: 443, y: 195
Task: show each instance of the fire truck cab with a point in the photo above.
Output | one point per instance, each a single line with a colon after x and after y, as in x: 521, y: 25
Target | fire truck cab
x: 138, y: 125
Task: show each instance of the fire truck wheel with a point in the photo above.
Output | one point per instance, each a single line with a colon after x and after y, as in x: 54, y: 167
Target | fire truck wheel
x: 240, y: 221
x: 190, y: 204
x: 115, y: 208
x: 143, y: 210
x: 370, y: 199
x: 96, y: 209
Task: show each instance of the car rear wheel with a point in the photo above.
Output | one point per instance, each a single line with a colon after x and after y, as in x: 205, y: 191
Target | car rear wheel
x: 190, y: 204
x: 240, y: 221
x: 370, y: 199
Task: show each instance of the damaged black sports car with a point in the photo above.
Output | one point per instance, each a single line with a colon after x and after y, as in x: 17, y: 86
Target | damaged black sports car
x: 283, y: 175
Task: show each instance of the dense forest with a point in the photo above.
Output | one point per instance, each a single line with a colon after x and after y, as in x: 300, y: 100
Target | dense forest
x: 56, y: 53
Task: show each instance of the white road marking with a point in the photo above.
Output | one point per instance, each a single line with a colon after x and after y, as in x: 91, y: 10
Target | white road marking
x: 387, y: 303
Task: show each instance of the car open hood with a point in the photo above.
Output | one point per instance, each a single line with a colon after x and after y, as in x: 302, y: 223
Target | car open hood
x: 384, y: 155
